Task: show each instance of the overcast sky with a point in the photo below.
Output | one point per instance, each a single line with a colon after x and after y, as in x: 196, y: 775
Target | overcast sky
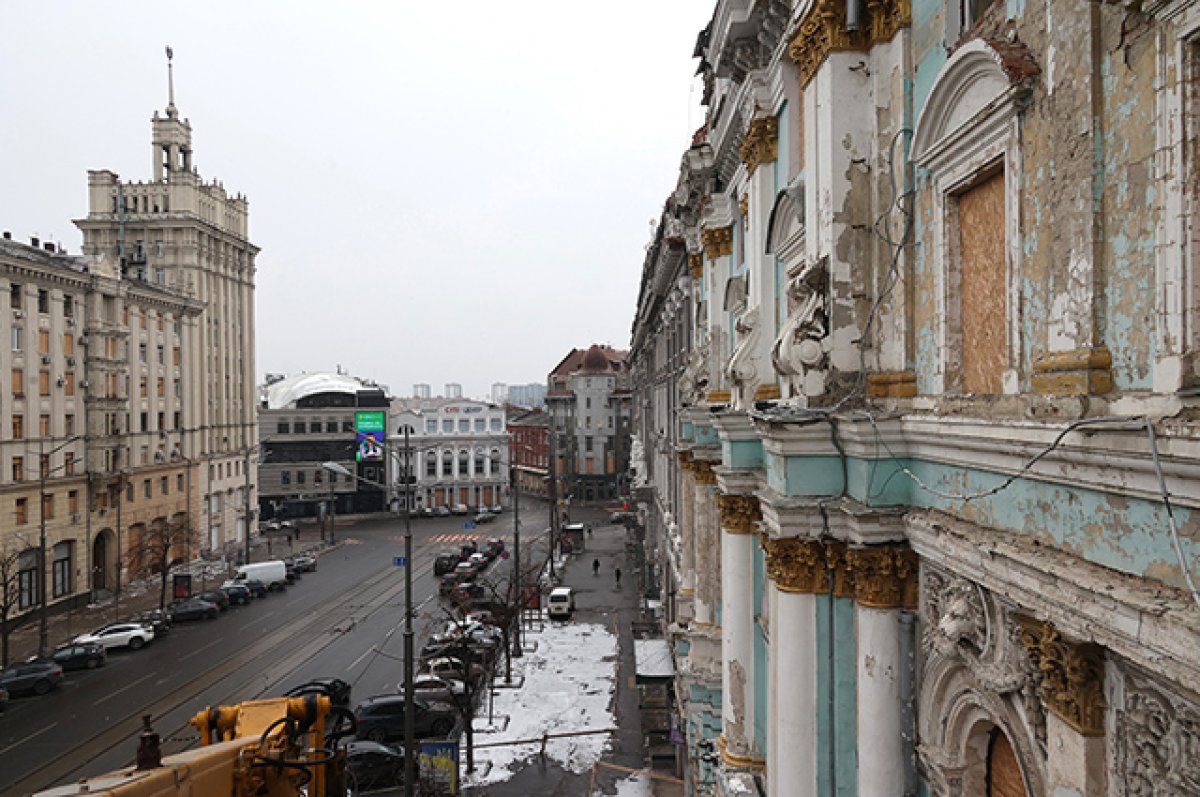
x: 442, y: 191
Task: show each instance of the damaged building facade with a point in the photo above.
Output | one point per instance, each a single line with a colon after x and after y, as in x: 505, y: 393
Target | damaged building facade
x: 916, y: 388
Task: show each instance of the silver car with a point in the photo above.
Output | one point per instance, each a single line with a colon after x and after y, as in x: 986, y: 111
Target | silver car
x: 118, y: 635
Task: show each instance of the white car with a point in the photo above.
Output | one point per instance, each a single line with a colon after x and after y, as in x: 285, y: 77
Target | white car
x: 118, y: 635
x: 443, y: 690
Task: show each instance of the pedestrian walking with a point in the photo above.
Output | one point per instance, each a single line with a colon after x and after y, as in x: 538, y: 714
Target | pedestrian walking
x: 617, y: 574
x: 595, y: 567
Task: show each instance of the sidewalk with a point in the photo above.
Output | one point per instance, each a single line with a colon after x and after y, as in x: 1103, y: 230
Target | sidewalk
x: 600, y: 601
x: 139, y: 596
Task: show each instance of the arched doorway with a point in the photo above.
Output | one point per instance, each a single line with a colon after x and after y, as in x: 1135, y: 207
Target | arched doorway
x: 1003, y: 770
x: 101, y: 559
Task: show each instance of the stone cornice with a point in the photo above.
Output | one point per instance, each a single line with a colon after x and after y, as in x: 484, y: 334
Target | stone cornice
x: 1152, y: 626
x: 734, y: 425
x: 717, y: 241
x: 1072, y: 676
x: 822, y: 30
x: 843, y: 519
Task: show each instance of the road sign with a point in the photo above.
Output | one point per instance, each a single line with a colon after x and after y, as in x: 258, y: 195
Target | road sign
x: 469, y: 525
x: 399, y: 561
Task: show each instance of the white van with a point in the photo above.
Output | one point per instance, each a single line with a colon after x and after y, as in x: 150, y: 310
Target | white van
x: 561, y: 604
x: 273, y: 574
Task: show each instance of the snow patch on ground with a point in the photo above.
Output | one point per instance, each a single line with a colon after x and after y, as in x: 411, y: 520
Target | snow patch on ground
x: 570, y: 680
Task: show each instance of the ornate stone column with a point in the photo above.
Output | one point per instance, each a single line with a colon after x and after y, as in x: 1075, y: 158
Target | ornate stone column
x: 885, y: 580
x: 740, y: 515
x: 1072, y: 689
x: 705, y: 543
x: 687, y: 531
x: 797, y: 572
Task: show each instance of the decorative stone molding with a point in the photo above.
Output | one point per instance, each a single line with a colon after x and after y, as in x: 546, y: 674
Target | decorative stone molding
x: 1154, y: 725
x: 1072, y: 676
x: 703, y: 472
x: 892, y: 384
x: 761, y: 143
x: 801, y: 349
x: 696, y: 265
x: 693, y: 381
x: 740, y: 514
x: 823, y: 31
x: 743, y: 366
x: 718, y: 242
x: 1071, y: 373
x: 735, y: 761
x: 796, y: 565
x: 882, y: 575
x: 744, y: 207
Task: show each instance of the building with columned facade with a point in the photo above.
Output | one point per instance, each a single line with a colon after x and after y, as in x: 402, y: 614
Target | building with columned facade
x: 915, y: 377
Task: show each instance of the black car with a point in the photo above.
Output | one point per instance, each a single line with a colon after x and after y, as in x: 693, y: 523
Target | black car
x: 80, y: 656
x: 37, y: 676
x: 156, y: 620
x: 337, y: 690
x: 215, y: 596
x: 374, y: 766
x: 238, y: 593
x: 291, y: 573
x: 444, y: 563
x: 381, y: 718
x: 194, y: 609
x: 256, y: 587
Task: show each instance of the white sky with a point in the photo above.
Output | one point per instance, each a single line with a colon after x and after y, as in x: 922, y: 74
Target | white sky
x: 443, y: 192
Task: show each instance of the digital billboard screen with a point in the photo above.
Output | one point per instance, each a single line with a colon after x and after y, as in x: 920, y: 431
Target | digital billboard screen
x: 368, y: 435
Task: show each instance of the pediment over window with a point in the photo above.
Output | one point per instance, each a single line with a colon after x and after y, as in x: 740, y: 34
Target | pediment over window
x: 785, y: 227
x: 973, y: 96
x: 735, y: 294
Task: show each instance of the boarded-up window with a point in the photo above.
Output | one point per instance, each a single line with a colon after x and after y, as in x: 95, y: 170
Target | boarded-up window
x: 984, y: 311
x: 1004, y: 772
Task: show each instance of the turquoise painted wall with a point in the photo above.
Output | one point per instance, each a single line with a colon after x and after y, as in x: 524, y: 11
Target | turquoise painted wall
x: 825, y: 734
x: 837, y: 759
x: 761, y: 653
x: 742, y: 453
x: 686, y: 432
x: 705, y: 435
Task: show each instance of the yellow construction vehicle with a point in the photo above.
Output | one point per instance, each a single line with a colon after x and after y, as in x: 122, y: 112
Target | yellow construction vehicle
x: 277, y: 747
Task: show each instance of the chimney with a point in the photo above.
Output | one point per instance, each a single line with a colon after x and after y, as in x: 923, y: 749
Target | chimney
x: 48, y: 246
x: 34, y: 242
x: 7, y: 235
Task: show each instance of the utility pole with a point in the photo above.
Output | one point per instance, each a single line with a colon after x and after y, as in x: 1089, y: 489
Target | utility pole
x: 553, y: 494
x: 516, y: 495
x: 410, y: 772
x: 246, y: 503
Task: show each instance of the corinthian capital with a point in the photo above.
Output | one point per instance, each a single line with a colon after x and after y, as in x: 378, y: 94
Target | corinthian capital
x: 740, y: 514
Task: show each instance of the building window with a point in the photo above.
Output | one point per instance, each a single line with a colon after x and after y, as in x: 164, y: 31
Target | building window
x: 179, y: 482
x: 431, y: 462
x: 348, y: 426
x: 479, y: 464
x: 162, y: 387
x: 69, y: 384
x: 14, y: 296
x: 43, y: 300
x: 495, y: 461
x: 129, y: 492
x: 447, y: 426
x: 587, y: 402
x: 496, y: 425
x: 27, y: 580
x: 18, y: 470
x: 587, y: 444
x: 147, y: 490
x: 18, y: 382
x: 61, y: 572
x: 21, y: 511
x: 44, y: 425
x: 48, y: 506
x: 69, y: 424
x: 69, y: 465
x: 17, y: 332
x: 299, y: 427
x: 480, y: 425
x: 43, y: 383
x: 164, y: 485
x: 18, y: 426
x: 318, y: 477
x: 430, y: 426
x: 300, y: 477
x: 73, y: 501
x: 464, y: 426
x: 142, y: 352
x: 143, y: 387
x: 285, y: 477
x: 331, y: 427
x: 162, y: 355
x: 447, y: 463
x: 282, y: 427
x: 68, y: 306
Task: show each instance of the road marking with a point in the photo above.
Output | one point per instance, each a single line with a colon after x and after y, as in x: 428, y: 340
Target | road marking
x: 200, y: 650
x: 125, y: 688
x: 27, y: 738
x: 354, y: 663
x: 258, y: 619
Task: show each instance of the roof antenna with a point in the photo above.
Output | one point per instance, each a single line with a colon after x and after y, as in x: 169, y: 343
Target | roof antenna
x: 171, y: 112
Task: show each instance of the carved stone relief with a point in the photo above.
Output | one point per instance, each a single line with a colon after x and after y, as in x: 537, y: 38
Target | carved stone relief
x: 693, y: 380
x: 743, y: 366
x: 1157, y: 742
x: 801, y: 352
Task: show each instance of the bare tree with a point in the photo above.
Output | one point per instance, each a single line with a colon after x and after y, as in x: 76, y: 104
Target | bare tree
x: 10, y: 594
x: 158, y: 548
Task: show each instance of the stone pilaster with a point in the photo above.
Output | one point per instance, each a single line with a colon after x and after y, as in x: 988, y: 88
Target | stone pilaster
x: 739, y: 518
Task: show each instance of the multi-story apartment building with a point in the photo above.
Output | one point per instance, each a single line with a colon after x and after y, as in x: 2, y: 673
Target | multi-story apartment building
x: 94, y: 401
x: 588, y: 398
x: 306, y: 421
x: 529, y: 450
x: 915, y: 360
x: 532, y: 395
x: 182, y: 234
x: 457, y: 451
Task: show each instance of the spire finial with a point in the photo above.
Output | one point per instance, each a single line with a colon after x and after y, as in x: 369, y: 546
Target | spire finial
x: 171, y: 111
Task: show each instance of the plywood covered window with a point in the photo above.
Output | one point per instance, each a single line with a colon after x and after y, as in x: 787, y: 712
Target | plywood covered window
x: 982, y: 274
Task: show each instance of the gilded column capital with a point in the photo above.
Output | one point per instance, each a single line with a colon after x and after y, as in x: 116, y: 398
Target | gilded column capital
x: 760, y: 144
x: 696, y: 265
x: 1072, y: 675
x: 796, y: 565
x: 740, y: 514
x: 823, y: 31
x: 881, y: 573
x: 718, y: 242
x: 686, y: 458
x: 703, y: 472
x: 839, y: 568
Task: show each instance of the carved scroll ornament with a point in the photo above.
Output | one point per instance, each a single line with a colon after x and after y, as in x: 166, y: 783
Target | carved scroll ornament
x: 1157, y: 740
x: 743, y: 368
x: 800, y: 348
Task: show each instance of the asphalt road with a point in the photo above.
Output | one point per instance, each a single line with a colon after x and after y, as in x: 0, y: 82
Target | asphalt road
x: 345, y: 620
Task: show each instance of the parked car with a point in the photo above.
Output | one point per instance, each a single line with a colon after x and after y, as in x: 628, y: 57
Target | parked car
x: 447, y: 583
x: 561, y: 604
x: 494, y: 547
x: 273, y: 573
x: 238, y: 593
x: 118, y: 635
x: 216, y: 596
x: 193, y: 609
x: 444, y: 562
x: 452, y: 667
x: 459, y: 509
x: 337, y: 690
x: 37, y: 677
x: 381, y: 718
x: 497, y: 509
x: 86, y: 656
x: 374, y: 765
x: 442, y: 511
x: 305, y: 563
x: 465, y: 551
x: 484, y: 517
x: 158, y: 621
x: 468, y: 593
x: 3, y: 699
x: 291, y: 574
x: 257, y: 588
x: 465, y: 571
x: 441, y: 690
x: 479, y: 561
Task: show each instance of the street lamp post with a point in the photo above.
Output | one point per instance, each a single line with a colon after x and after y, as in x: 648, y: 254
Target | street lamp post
x: 516, y: 494
x: 43, y: 475
x: 409, y: 717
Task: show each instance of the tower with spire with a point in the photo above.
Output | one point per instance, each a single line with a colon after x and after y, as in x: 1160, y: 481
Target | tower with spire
x: 181, y: 234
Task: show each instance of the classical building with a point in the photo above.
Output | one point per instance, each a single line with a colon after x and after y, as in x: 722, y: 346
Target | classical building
x: 184, y: 235
x: 458, y: 452
x: 94, y: 387
x: 588, y: 398
x: 311, y: 419
x: 916, y: 380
